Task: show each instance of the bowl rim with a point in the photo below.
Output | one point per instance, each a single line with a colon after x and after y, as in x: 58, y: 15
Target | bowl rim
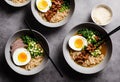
x: 48, y: 24
x: 81, y: 67
x: 17, y: 5
x: 9, y: 64
x: 107, y: 7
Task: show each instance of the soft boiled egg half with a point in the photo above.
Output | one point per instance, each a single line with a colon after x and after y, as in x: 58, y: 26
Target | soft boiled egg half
x: 77, y: 42
x: 43, y: 5
x: 21, y: 56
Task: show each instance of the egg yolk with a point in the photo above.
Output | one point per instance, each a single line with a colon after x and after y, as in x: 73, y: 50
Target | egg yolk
x: 42, y: 5
x: 78, y: 43
x: 22, y: 57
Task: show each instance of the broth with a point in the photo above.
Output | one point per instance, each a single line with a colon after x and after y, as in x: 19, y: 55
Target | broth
x: 104, y: 49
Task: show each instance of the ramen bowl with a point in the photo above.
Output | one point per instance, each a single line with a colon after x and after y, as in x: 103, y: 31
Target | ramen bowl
x: 14, y: 4
x: 41, y: 20
x: 80, y: 68
x: 8, y: 55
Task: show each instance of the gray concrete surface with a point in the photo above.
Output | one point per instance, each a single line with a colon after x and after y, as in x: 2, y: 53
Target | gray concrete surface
x: 12, y: 19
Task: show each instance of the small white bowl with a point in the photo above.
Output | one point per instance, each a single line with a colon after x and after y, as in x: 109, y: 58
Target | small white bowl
x: 101, y: 14
x: 17, y: 4
x: 48, y: 24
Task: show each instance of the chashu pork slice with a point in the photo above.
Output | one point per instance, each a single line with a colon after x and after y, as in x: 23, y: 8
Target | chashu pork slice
x: 17, y: 44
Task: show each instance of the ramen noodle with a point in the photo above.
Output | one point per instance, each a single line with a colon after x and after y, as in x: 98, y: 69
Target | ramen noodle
x: 18, y: 1
x: 34, y: 63
x: 59, y: 16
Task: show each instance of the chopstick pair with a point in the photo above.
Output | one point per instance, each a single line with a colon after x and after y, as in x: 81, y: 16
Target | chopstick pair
x: 43, y: 48
x: 105, y: 37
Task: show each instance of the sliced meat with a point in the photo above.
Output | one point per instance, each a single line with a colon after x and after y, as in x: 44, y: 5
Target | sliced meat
x: 91, y: 47
x: 81, y: 57
x: 97, y: 38
x: 56, y: 5
x: 17, y: 44
x: 17, y: 41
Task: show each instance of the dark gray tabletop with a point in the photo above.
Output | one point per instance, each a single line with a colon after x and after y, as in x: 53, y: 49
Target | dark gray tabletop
x: 12, y: 19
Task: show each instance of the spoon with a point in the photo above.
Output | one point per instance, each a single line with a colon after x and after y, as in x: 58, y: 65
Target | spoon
x: 46, y: 52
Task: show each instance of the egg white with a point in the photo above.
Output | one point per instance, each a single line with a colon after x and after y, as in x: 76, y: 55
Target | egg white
x: 17, y: 52
x: 47, y: 8
x: 72, y: 41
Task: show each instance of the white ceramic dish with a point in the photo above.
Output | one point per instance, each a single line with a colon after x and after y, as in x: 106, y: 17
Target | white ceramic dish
x: 97, y: 16
x: 18, y: 69
x: 48, y: 24
x: 70, y: 61
x: 17, y: 5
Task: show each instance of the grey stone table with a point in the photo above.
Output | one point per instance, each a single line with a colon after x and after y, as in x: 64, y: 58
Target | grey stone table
x: 12, y: 19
